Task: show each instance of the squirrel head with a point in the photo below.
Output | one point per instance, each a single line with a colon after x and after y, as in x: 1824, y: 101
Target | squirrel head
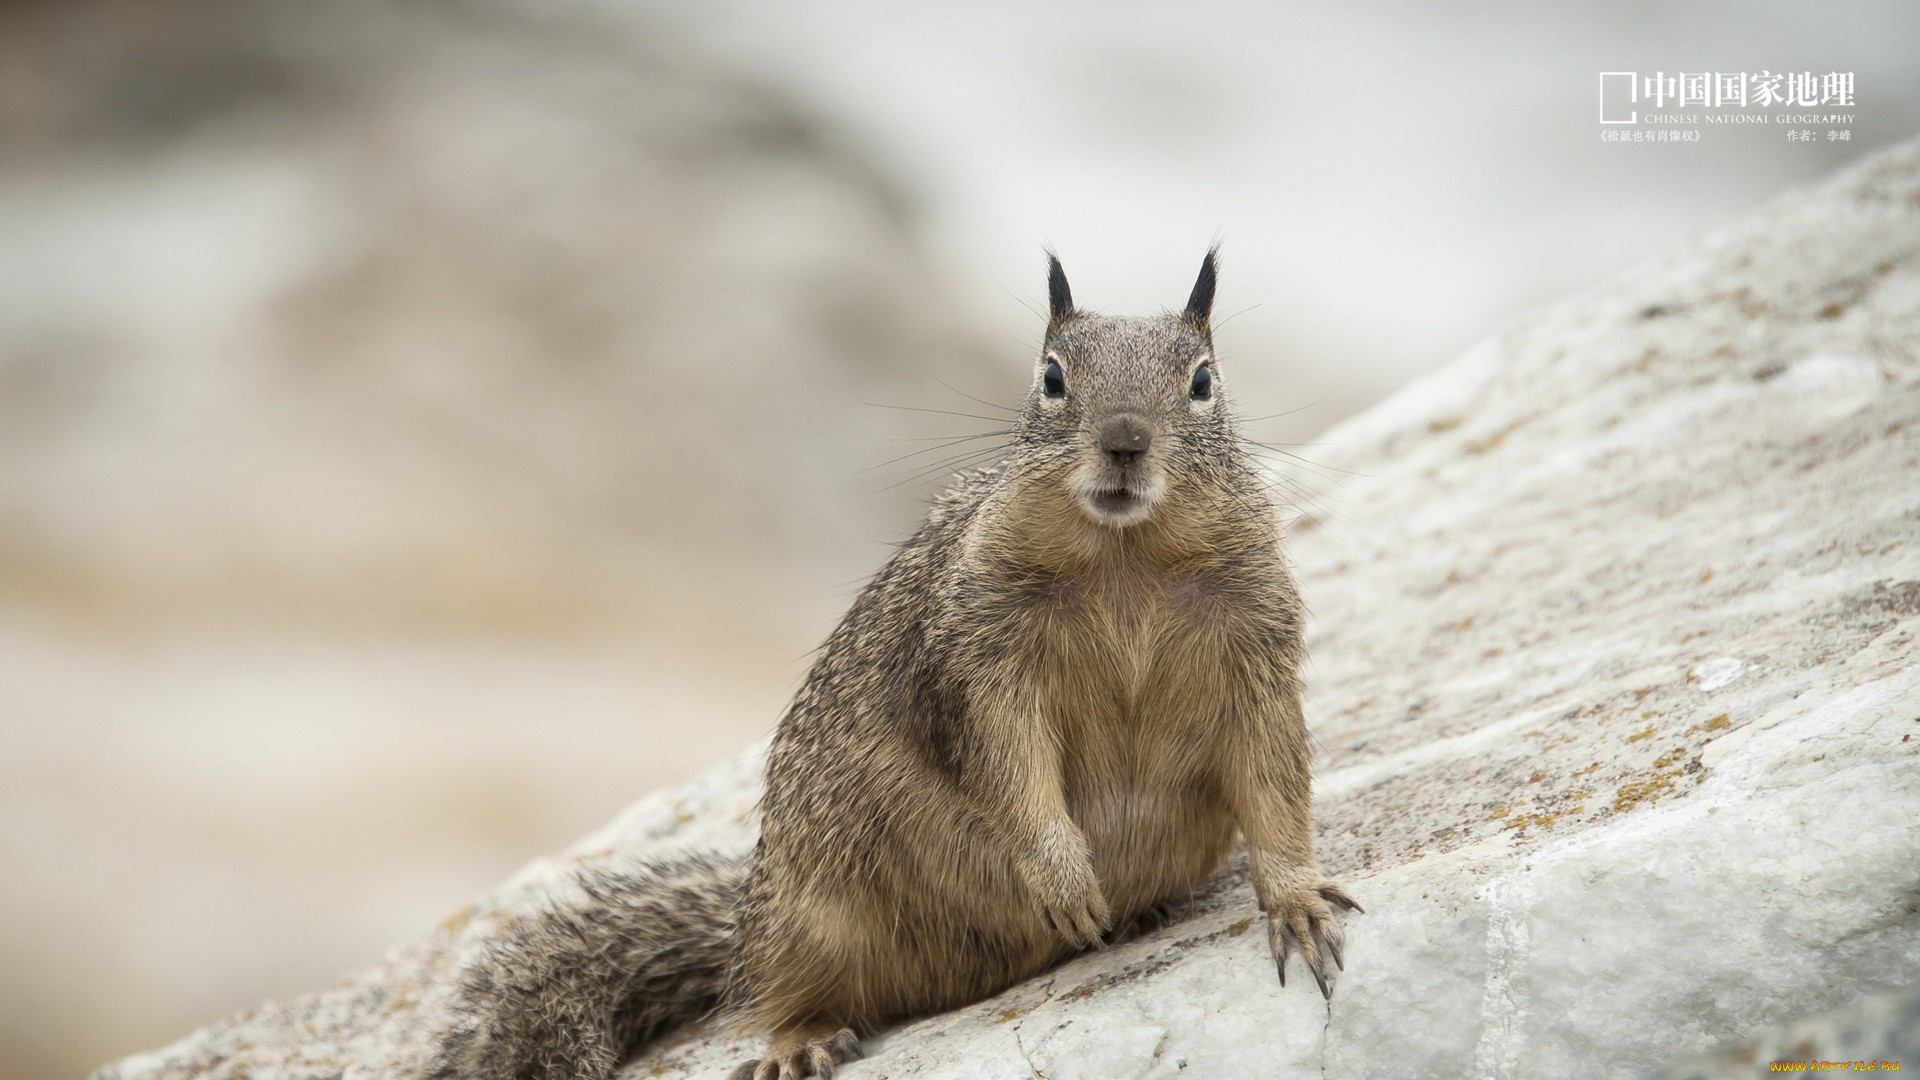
x: 1129, y: 407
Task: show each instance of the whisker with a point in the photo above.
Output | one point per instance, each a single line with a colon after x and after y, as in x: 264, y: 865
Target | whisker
x: 1318, y: 468
x: 1275, y: 416
x: 948, y: 438
x: 944, y: 443
x: 1301, y: 496
x: 1313, y: 500
x: 1224, y: 321
x: 954, y: 464
x: 941, y: 412
x: 981, y: 400
x: 1025, y: 303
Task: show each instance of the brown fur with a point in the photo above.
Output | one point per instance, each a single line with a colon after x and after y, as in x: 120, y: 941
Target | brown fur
x: 1047, y: 716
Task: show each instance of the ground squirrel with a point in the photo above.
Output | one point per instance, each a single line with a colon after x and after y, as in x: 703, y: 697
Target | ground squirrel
x: 1046, y: 717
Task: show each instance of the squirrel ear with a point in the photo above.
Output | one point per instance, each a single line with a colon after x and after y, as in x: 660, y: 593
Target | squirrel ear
x: 1200, y: 303
x: 1059, y: 297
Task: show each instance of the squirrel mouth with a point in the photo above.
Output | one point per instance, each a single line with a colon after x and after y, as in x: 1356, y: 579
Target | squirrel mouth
x: 1117, y: 502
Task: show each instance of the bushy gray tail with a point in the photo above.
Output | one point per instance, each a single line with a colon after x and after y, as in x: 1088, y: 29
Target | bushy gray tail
x: 571, y: 991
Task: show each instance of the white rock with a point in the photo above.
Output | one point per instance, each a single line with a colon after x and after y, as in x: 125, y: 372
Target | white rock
x: 1615, y: 676
x: 1715, y: 674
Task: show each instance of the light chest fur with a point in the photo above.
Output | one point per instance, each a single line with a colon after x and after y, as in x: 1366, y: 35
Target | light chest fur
x: 1135, y: 699
x: 1135, y: 644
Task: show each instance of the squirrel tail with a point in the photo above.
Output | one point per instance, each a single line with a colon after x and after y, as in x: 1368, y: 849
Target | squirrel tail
x: 568, y: 993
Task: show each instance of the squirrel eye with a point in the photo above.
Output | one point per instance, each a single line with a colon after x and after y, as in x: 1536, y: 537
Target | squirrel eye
x: 1202, y: 387
x: 1054, y: 381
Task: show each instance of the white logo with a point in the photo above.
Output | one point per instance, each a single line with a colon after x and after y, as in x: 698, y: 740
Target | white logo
x: 1621, y: 91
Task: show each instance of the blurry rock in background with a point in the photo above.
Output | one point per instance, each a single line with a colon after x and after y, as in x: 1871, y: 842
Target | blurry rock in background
x: 382, y: 313
x: 423, y: 429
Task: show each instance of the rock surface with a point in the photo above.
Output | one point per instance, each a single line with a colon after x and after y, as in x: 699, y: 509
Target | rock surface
x: 1616, y: 686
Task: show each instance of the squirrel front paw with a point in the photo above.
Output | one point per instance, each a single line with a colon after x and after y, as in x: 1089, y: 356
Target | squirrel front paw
x: 1067, y: 891
x: 1301, y: 916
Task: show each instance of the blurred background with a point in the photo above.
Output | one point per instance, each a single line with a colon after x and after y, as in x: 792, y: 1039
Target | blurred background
x: 426, y: 427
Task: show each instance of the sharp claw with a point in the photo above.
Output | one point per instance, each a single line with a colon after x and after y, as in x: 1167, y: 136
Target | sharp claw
x: 1281, y: 966
x: 1334, y: 948
x: 849, y: 1045
x: 1320, y: 978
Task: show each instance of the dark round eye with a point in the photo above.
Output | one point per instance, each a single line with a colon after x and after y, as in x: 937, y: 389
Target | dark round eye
x: 1053, y: 380
x: 1202, y: 387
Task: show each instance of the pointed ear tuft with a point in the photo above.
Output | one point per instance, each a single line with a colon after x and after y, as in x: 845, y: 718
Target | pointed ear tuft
x: 1059, y: 296
x: 1200, y: 303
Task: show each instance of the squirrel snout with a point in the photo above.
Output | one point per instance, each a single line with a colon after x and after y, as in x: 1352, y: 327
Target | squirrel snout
x: 1124, y: 440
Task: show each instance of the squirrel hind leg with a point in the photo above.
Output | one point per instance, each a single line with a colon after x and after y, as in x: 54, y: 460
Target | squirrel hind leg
x: 803, y: 1052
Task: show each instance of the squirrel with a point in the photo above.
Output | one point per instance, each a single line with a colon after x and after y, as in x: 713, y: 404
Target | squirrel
x: 1047, y: 716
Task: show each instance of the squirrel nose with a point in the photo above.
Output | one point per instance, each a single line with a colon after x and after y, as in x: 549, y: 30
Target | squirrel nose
x: 1124, y: 440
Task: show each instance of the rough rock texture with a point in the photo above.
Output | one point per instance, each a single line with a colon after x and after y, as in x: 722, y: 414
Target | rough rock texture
x: 1615, y: 679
